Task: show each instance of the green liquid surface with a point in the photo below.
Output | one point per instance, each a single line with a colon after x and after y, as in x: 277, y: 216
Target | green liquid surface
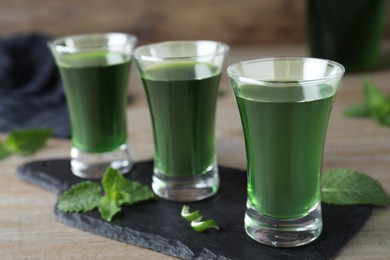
x: 96, y: 91
x: 284, y: 145
x: 182, y: 100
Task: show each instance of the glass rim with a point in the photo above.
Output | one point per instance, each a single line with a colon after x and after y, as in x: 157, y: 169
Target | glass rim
x: 274, y: 83
x: 130, y: 38
x: 224, y: 48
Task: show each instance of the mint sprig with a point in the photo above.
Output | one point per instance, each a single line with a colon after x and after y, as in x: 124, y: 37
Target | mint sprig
x: 118, y: 191
x: 195, y: 218
x: 347, y: 187
x: 81, y: 197
x: 24, y: 142
x: 375, y: 104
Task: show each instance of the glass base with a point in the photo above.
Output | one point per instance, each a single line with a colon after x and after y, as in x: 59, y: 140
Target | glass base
x: 93, y: 165
x: 186, y: 189
x: 283, y: 232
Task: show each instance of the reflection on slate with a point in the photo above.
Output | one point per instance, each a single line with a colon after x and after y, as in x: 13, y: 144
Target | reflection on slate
x: 31, y: 91
x: 157, y: 225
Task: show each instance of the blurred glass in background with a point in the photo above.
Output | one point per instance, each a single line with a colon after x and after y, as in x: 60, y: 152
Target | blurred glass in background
x: 347, y: 31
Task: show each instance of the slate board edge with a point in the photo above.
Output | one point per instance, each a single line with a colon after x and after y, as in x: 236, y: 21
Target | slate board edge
x: 40, y: 179
x: 129, y: 236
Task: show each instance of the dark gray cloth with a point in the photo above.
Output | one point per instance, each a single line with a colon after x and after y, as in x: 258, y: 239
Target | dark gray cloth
x: 31, y: 92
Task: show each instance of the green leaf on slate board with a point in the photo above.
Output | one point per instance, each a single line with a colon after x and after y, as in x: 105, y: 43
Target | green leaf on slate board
x: 347, y: 187
x: 108, y: 208
x: 86, y: 196
x: 81, y: 197
x: 119, y: 191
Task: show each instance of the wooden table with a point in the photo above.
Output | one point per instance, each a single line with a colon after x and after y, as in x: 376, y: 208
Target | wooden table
x: 28, y: 228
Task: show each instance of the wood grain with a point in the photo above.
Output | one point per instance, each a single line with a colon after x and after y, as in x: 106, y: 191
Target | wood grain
x: 234, y: 22
x: 28, y: 229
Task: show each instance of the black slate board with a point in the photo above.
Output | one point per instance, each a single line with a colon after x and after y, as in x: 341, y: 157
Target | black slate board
x: 157, y: 225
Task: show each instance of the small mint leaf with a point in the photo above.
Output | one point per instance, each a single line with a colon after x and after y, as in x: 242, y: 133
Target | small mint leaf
x: 108, y: 208
x: 3, y: 151
x: 138, y: 192
x: 378, y: 103
x: 114, y: 182
x: 119, y: 191
x: 347, y: 187
x: 81, y: 197
x: 374, y: 97
x: 361, y: 109
x: 27, y: 141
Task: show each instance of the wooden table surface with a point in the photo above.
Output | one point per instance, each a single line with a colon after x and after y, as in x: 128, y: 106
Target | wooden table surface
x: 28, y: 229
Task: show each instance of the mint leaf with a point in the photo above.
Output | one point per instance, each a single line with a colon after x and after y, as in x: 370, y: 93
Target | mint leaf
x: 123, y: 190
x: 375, y: 105
x: 113, y: 182
x: 27, y: 141
x: 86, y: 196
x: 378, y: 103
x: 108, y: 208
x: 361, y: 109
x: 3, y: 151
x: 374, y: 97
x: 138, y: 192
x: 81, y: 197
x: 119, y: 191
x: 347, y: 187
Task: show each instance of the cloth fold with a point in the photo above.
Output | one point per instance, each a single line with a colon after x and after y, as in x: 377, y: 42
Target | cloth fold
x: 31, y: 91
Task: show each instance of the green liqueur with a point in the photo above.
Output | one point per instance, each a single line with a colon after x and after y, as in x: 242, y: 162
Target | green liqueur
x: 96, y: 91
x: 284, y: 146
x: 182, y: 100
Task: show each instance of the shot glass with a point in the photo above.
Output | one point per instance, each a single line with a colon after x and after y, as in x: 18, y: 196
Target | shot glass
x: 284, y: 104
x: 181, y: 80
x: 94, y: 70
x: 348, y: 31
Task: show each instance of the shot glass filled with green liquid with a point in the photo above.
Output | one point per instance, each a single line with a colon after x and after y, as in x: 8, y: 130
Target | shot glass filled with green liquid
x: 284, y: 104
x: 181, y: 80
x: 94, y: 70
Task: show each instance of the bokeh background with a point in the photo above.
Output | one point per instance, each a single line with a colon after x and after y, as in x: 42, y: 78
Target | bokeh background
x: 245, y: 22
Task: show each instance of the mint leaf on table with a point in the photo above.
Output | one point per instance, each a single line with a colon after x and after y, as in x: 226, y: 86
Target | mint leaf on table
x: 361, y: 109
x: 378, y: 103
x: 81, y: 197
x: 27, y: 141
x: 375, y: 105
x: 196, y: 220
x: 347, y: 187
x: 3, y: 151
